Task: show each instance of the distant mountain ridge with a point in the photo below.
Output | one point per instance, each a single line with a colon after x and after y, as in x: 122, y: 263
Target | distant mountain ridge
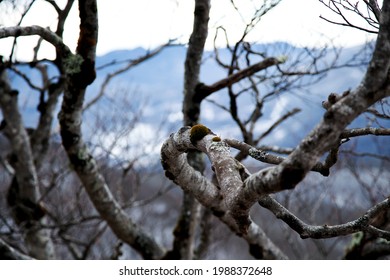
x: 159, y: 81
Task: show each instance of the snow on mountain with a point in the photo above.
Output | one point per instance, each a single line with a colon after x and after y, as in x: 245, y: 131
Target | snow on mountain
x: 152, y: 94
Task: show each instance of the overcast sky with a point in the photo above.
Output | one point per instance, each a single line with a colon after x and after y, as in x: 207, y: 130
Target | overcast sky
x: 126, y: 24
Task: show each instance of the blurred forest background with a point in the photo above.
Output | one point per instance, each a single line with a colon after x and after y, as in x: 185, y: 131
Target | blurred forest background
x: 269, y: 96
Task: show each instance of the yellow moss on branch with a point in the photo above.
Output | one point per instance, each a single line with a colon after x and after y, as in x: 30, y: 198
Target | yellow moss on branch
x: 197, y: 133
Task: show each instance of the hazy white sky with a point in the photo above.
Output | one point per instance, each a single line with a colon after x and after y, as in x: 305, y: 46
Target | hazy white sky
x: 126, y: 24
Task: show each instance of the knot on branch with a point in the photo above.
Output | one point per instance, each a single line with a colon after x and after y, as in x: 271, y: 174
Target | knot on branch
x: 333, y: 98
x: 363, y: 222
x: 257, y: 154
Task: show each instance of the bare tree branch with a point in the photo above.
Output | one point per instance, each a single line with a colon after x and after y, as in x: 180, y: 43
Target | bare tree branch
x: 193, y: 60
x: 373, y: 5
x: 349, y: 133
x: 230, y: 173
x: 245, y: 189
x: 279, y: 121
x: 343, y: 7
x: 378, y: 114
x: 24, y: 194
x: 328, y: 231
x: 79, y: 156
x: 188, y: 221
x: 375, y: 86
x: 263, y: 156
x: 9, y: 253
x: 46, y: 34
x: 203, y: 91
x: 132, y: 63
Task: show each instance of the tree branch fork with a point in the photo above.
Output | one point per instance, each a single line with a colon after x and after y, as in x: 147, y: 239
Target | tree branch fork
x: 237, y: 190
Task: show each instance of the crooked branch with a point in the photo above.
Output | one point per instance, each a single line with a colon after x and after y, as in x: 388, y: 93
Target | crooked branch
x: 230, y: 174
x: 84, y: 164
x: 46, y: 34
x: 327, y: 231
x: 203, y: 91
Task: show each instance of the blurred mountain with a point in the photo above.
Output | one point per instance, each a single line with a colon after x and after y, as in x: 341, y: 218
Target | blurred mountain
x: 142, y: 107
x: 154, y: 90
x: 159, y: 80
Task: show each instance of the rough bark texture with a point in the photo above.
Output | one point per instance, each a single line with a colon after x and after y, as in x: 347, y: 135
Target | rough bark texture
x: 79, y: 156
x: 191, y: 108
x: 230, y: 174
x: 46, y: 34
x: 24, y: 194
x: 194, y: 93
x: 374, y: 86
x: 188, y: 221
x: 238, y: 190
x: 233, y: 192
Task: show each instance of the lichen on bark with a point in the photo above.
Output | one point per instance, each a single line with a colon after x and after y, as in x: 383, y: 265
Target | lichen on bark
x: 72, y: 63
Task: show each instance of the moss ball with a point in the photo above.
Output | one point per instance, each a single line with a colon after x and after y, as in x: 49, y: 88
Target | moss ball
x: 197, y: 133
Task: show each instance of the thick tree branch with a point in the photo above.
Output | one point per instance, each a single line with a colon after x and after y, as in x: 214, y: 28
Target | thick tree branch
x: 193, y: 60
x: 377, y: 72
x: 294, y: 168
x: 46, y: 34
x: 244, y: 191
x: 79, y: 156
x: 230, y: 175
x: 349, y: 133
x: 177, y: 168
x: 24, y: 195
x: 189, y: 213
x: 373, y: 4
x: 374, y: 86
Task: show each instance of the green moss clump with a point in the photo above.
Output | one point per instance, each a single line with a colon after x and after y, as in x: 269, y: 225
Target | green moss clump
x: 356, y: 239
x: 73, y: 63
x: 197, y: 133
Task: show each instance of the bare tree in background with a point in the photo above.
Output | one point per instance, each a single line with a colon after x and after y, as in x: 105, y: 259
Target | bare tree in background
x: 102, y: 214
x: 236, y: 190
x: 29, y: 147
x: 365, y: 16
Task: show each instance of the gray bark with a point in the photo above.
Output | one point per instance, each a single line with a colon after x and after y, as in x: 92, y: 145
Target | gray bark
x: 24, y: 194
x: 238, y: 190
x: 230, y: 175
x: 83, y: 162
x: 188, y: 221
